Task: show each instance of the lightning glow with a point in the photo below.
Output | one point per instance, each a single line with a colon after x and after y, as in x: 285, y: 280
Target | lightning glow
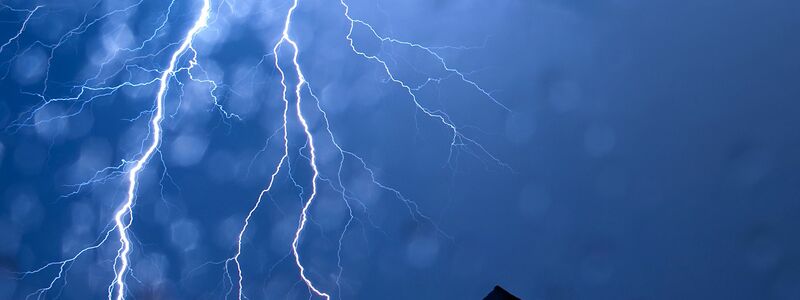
x: 299, y: 102
x: 126, y: 210
x: 22, y: 27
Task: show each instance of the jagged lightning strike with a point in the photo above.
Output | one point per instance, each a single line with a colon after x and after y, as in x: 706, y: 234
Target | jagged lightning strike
x: 286, y: 38
x: 22, y: 27
x: 123, y: 215
x: 133, y: 174
x: 301, y: 81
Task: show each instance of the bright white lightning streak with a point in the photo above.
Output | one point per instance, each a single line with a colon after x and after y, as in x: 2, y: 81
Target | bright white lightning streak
x: 235, y: 258
x: 124, y: 215
x: 155, y: 121
x: 22, y: 28
x: 301, y: 81
x: 458, y: 138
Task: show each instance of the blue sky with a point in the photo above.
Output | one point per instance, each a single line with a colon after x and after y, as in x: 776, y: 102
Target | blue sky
x: 616, y: 150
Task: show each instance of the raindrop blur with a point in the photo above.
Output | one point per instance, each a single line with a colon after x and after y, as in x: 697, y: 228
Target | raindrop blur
x: 599, y: 140
x: 422, y: 252
x: 184, y: 234
x: 187, y: 150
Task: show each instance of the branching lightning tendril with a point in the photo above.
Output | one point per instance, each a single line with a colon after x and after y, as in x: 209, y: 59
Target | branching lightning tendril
x: 298, y: 97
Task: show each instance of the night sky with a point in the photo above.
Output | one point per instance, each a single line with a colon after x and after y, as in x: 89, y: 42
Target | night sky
x: 605, y: 149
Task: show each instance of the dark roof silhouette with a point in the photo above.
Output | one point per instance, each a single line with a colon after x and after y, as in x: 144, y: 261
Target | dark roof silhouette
x: 499, y: 293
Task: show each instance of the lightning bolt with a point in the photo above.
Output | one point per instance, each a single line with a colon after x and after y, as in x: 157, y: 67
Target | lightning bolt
x: 22, y: 27
x: 301, y: 81
x: 458, y: 139
x: 123, y: 215
x: 126, y: 210
x: 296, y: 91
